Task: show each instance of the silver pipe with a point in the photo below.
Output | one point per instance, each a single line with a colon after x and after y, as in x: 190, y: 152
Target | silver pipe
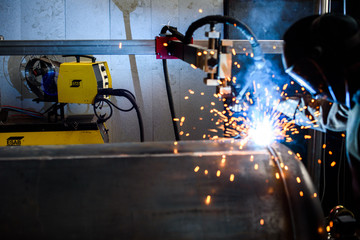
x: 322, y: 6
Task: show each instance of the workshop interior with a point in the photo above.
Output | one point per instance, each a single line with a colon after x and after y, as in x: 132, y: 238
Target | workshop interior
x: 150, y: 119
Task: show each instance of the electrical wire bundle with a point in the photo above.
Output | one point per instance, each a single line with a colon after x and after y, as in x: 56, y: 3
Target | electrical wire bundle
x: 6, y: 108
x: 100, y: 100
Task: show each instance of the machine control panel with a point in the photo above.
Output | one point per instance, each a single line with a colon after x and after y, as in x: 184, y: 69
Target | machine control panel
x: 101, y: 75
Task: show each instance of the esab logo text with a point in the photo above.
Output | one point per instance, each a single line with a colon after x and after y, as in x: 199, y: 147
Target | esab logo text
x: 75, y: 83
x: 14, y: 141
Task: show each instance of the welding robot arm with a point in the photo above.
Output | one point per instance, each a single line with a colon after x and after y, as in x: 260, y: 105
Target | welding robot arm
x: 213, y: 59
x: 245, y: 30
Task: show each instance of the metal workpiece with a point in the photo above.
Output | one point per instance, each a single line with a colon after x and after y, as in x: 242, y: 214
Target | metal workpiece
x: 112, y: 47
x: 157, y: 190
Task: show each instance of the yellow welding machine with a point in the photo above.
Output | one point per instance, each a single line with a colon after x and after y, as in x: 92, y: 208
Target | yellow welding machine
x: 78, y: 82
x: 76, y: 129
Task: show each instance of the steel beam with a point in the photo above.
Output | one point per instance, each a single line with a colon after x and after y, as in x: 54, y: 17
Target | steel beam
x: 78, y: 47
x: 267, y: 46
x: 111, y: 47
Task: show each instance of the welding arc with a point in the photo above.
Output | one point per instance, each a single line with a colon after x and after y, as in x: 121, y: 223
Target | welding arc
x: 100, y: 100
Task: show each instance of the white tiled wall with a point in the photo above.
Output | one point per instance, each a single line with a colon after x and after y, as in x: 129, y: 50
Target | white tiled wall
x: 117, y: 19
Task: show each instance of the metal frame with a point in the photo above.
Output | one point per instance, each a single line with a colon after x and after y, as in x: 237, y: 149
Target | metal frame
x: 112, y: 47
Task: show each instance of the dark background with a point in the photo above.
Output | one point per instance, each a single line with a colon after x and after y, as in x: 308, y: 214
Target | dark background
x: 269, y: 19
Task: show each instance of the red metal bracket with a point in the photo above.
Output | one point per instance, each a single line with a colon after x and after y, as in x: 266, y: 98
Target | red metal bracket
x: 161, y: 44
x: 161, y: 47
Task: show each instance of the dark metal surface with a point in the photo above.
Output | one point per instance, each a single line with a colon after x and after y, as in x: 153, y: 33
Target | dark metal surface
x: 156, y: 191
x: 110, y: 47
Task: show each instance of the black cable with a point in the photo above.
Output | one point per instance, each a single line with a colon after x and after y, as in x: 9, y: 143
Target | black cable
x: 213, y: 19
x: 120, y: 93
x: 99, y: 103
x: 179, y: 36
x: 219, y: 19
x: 174, y: 32
x: 127, y: 91
x: 170, y: 100
x: 121, y: 109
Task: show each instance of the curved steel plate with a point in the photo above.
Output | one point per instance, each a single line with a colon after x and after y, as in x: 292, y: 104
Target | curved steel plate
x: 185, y: 190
